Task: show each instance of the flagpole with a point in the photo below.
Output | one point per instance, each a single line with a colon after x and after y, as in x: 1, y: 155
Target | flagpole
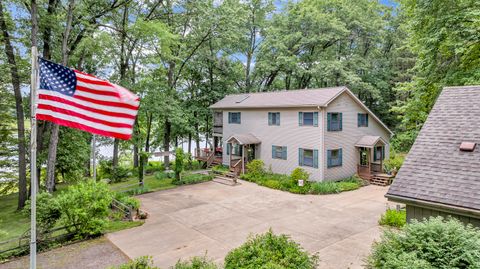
x: 33, y: 159
x: 94, y: 157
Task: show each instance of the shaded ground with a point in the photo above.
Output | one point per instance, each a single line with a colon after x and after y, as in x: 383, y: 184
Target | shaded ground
x: 93, y: 254
x: 214, y: 218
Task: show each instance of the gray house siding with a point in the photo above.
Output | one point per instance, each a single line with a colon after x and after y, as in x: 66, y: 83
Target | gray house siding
x: 288, y: 133
x: 420, y: 213
x: 349, y: 135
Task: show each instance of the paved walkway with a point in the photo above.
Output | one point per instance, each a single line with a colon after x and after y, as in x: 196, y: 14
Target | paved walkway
x: 213, y: 218
x: 92, y: 254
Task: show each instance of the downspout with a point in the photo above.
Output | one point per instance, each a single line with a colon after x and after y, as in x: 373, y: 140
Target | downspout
x: 322, y: 143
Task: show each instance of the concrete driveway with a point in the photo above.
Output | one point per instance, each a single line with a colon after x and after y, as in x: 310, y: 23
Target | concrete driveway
x: 213, y: 218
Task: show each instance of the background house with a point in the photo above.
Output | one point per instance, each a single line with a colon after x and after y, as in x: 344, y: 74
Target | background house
x: 441, y: 174
x: 329, y: 132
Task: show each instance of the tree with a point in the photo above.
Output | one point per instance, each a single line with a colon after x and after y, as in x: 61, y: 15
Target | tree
x: 15, y: 80
x: 444, y: 37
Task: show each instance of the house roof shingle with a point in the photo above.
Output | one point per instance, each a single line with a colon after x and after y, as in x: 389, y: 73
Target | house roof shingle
x: 368, y: 141
x: 291, y: 98
x: 435, y: 170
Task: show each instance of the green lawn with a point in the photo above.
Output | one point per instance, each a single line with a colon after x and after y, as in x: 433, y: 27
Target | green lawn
x: 12, y: 222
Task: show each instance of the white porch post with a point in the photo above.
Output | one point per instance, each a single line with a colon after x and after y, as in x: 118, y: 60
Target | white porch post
x: 243, y: 159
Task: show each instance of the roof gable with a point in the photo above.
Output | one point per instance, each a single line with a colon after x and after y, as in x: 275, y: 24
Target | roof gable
x: 435, y: 169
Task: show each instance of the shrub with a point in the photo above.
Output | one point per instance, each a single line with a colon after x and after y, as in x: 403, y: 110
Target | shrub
x: 161, y: 175
x: 179, y: 162
x: 269, y: 251
x: 324, y: 187
x: 433, y: 243
x: 271, y: 183
x: 348, y: 185
x: 196, y: 263
x: 394, y: 162
x: 299, y: 174
x: 192, y: 179
x: 256, y: 168
x: 118, y: 174
x: 393, y: 218
x: 221, y: 169
x: 129, y: 201
x: 154, y: 166
x: 85, y: 207
x: 48, y: 211
x: 144, y: 262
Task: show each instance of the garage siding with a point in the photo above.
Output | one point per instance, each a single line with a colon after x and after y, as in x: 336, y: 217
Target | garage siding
x: 420, y: 213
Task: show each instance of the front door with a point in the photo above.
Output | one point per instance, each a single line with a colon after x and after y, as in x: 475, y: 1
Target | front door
x: 250, y: 153
x: 363, y: 156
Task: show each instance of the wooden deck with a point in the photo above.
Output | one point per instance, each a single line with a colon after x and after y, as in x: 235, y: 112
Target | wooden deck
x: 374, y: 174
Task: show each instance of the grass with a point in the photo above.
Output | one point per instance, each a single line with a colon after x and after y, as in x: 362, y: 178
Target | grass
x: 393, y: 218
x: 12, y: 222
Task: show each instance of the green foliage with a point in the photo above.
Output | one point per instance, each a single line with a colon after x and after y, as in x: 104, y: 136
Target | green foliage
x: 48, y: 211
x: 299, y: 174
x: 85, y: 207
x: 256, y: 168
x: 73, y: 151
x: 128, y: 200
x: 221, y: 169
x: 269, y: 251
x: 179, y: 163
x: 393, y: 218
x: 153, y: 167
x: 433, y: 243
x: 144, y: 262
x: 394, y: 162
x: 196, y: 263
x: 193, y: 179
x: 118, y: 174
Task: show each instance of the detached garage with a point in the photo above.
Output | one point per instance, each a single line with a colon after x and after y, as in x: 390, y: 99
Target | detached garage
x: 441, y: 174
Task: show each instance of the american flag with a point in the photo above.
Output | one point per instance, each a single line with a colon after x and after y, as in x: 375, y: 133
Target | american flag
x: 74, y: 99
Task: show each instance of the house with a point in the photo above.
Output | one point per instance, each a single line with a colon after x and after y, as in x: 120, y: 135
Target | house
x: 441, y: 174
x: 329, y: 132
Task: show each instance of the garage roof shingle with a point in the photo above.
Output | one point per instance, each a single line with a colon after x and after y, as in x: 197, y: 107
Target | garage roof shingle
x: 435, y: 169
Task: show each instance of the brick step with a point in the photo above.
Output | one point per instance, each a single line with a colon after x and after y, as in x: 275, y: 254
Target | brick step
x: 225, y: 180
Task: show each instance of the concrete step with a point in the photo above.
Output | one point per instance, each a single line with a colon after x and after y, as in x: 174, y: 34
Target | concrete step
x: 225, y: 180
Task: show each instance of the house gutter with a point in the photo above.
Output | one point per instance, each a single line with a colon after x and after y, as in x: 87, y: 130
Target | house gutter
x: 467, y: 212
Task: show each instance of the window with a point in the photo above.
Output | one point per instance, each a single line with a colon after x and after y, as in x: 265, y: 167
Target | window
x: 362, y: 120
x: 234, y: 117
x: 334, y: 121
x: 334, y: 158
x: 308, y: 157
x: 308, y: 119
x: 279, y: 152
x: 379, y: 153
x: 273, y: 118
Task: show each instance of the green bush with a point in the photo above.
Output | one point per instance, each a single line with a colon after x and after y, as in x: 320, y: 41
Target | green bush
x: 221, y: 169
x: 324, y: 187
x: 129, y: 201
x: 144, y: 262
x: 299, y: 174
x: 271, y: 183
x: 269, y: 251
x: 154, y: 166
x: 394, y: 162
x: 161, y: 175
x: 196, y: 263
x: 85, y: 207
x: 119, y: 174
x: 179, y: 162
x: 192, y: 179
x: 393, y: 218
x: 256, y: 168
x: 48, y: 211
x: 433, y: 243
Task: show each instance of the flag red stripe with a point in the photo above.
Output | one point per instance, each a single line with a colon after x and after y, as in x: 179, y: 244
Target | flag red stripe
x: 85, y: 117
x: 100, y: 92
x: 106, y: 103
x: 83, y: 127
x: 91, y: 81
x: 99, y: 111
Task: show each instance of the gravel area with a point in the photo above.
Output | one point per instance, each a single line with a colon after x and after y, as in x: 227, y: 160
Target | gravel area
x: 95, y: 254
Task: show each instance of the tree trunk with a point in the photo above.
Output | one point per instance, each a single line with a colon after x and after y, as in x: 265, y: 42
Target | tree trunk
x: 22, y: 166
x: 135, y: 156
x: 166, y: 144
x: 52, y: 147
x: 190, y: 143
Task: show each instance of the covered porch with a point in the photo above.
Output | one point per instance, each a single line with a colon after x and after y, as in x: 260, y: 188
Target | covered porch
x: 241, y: 149
x: 371, y: 154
